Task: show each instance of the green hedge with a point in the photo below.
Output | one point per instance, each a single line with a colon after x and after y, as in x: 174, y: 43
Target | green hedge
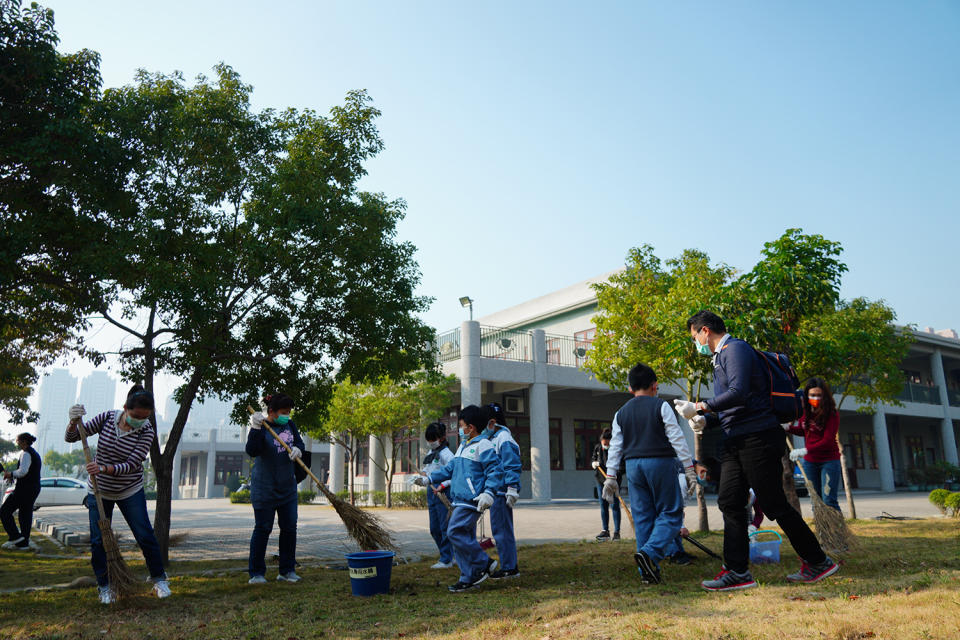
x: 240, y: 497
x: 415, y: 499
x: 306, y: 497
x: 953, y: 503
x: 939, y: 499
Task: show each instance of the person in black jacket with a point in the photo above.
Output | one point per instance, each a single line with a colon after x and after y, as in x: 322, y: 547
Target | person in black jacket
x: 751, y: 451
x: 27, y: 475
x: 599, y: 465
x: 273, y: 489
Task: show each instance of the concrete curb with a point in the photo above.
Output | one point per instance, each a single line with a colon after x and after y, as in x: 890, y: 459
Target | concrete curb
x: 60, y: 534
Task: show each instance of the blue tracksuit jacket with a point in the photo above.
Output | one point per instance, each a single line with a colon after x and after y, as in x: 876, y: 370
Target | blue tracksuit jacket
x: 509, y: 453
x: 475, y: 469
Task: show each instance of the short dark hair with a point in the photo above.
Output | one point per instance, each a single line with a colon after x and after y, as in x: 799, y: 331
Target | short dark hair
x: 708, y: 319
x: 641, y: 377
x: 496, y: 413
x: 277, y: 401
x: 472, y: 414
x: 435, y: 431
x: 29, y: 438
x: 139, y: 398
x: 606, y: 435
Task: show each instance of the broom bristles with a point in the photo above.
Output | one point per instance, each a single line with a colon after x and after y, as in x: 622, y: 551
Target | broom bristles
x: 832, y: 530
x: 362, y: 525
x: 122, y: 581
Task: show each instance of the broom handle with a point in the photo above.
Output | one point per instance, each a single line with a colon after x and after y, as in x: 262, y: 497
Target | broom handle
x: 799, y: 466
x: 266, y: 425
x: 93, y: 478
x: 439, y: 494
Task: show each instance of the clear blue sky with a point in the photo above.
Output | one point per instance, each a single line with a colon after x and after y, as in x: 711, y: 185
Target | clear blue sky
x: 536, y: 142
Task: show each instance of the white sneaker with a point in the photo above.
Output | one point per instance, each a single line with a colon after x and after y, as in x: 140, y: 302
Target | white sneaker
x: 442, y: 565
x: 106, y: 595
x: 162, y: 587
x: 257, y: 580
x: 10, y: 544
x: 288, y: 577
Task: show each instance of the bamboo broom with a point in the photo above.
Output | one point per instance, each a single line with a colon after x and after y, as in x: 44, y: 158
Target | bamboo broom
x: 444, y: 499
x: 364, y: 527
x: 122, y: 582
x: 832, y: 530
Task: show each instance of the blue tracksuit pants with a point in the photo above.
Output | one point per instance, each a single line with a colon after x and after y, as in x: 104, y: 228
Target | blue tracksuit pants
x: 501, y: 521
x: 438, y: 525
x: 462, y: 534
x: 656, y: 504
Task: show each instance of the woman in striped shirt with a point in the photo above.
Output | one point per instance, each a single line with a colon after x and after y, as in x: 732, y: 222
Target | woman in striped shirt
x: 125, y: 438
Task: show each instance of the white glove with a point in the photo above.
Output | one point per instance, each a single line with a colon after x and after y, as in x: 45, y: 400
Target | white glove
x: 691, y: 475
x: 786, y: 425
x: 796, y: 454
x: 420, y: 481
x: 751, y: 530
x: 295, y: 453
x: 484, y: 501
x: 256, y: 420
x: 594, y: 464
x: 697, y: 424
x: 610, y: 490
x: 512, y: 496
x: 685, y: 408
x: 77, y: 411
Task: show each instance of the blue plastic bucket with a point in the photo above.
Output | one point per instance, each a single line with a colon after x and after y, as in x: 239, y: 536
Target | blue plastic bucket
x: 766, y: 551
x: 370, y: 572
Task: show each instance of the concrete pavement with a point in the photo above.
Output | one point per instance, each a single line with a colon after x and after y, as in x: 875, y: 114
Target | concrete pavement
x: 218, y: 529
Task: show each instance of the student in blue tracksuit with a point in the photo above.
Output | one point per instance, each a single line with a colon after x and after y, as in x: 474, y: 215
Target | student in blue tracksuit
x: 439, y: 457
x: 475, y: 478
x: 501, y: 513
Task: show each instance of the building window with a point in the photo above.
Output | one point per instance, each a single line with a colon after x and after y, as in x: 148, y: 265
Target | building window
x: 363, y: 460
x: 585, y: 337
x: 194, y: 468
x: 870, y: 451
x: 915, y: 453
x: 227, y: 464
x: 408, y: 456
x: 586, y: 436
x: 520, y: 428
x: 553, y: 350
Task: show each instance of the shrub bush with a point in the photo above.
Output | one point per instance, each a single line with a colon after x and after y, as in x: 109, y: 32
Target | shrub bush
x: 953, y: 503
x: 415, y: 499
x: 240, y: 497
x: 939, y: 499
x: 150, y: 494
x: 233, y: 482
x: 378, y: 498
x: 344, y: 494
x: 306, y: 497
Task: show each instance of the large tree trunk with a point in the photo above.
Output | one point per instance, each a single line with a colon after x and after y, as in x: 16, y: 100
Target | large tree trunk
x: 161, y: 517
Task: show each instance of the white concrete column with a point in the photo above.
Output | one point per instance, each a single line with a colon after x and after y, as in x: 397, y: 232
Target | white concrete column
x: 337, y: 461
x: 212, y: 467
x: 946, y: 423
x: 470, y: 391
x: 539, y: 422
x: 175, y: 484
x: 307, y: 481
x: 882, y: 442
x: 375, y: 479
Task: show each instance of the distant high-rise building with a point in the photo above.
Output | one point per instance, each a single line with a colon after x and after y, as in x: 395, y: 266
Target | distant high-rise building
x: 98, y: 393
x: 58, y: 391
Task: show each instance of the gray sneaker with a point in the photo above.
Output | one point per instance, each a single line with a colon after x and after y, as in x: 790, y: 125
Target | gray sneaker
x: 290, y: 576
x: 257, y: 580
x: 810, y: 573
x: 728, y: 580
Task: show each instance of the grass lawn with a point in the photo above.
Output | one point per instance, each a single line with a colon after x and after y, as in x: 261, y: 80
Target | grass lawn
x: 903, y: 583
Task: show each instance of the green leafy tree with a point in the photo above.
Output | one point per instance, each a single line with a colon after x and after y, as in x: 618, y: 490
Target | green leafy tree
x: 642, y: 313
x: 65, y: 464
x: 254, y: 262
x: 58, y: 176
x: 346, y: 424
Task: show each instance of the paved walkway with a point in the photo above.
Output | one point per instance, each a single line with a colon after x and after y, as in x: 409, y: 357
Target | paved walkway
x: 218, y: 529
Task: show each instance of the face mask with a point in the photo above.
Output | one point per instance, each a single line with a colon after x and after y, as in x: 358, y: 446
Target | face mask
x: 433, y: 445
x: 703, y: 349
x: 282, y: 420
x: 462, y: 434
x: 605, y: 446
x: 136, y: 423
x: 814, y: 402
x: 702, y: 482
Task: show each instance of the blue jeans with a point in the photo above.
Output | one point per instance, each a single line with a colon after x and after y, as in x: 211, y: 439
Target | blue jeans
x: 656, y: 504
x: 438, y: 525
x: 134, y: 510
x: 501, y: 522
x: 605, y: 509
x: 263, y: 524
x: 462, y: 533
x: 825, y: 478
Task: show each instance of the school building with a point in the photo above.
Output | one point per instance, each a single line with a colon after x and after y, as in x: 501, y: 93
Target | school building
x: 530, y: 358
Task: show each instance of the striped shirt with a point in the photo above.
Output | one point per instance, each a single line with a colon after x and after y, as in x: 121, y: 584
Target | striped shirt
x: 125, y: 450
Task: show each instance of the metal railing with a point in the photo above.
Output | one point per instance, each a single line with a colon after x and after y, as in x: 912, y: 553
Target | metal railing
x: 506, y: 344
x: 565, y: 351
x: 921, y: 393
x: 448, y: 346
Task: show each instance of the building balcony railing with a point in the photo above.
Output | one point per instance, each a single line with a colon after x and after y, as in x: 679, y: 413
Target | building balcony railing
x: 953, y: 396
x: 921, y: 393
x: 566, y: 351
x: 511, y: 344
x: 506, y: 344
x: 448, y: 346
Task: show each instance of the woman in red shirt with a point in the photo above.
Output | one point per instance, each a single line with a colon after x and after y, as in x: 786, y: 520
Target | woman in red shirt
x: 821, y: 455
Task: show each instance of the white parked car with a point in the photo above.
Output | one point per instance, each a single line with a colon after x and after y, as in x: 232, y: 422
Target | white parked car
x: 58, y: 491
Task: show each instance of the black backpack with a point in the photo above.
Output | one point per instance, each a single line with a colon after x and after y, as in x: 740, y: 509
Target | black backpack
x: 786, y: 400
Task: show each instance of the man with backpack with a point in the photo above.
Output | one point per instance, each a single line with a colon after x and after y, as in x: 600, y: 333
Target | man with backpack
x: 751, y: 451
